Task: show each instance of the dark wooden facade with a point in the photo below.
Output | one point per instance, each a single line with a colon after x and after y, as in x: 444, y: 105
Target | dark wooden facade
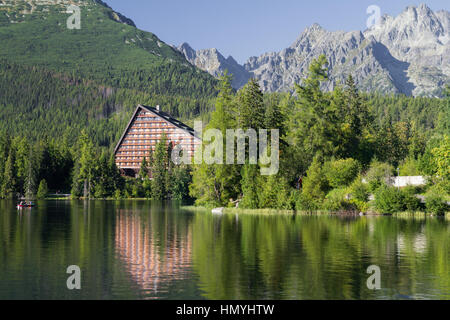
x: 144, y: 131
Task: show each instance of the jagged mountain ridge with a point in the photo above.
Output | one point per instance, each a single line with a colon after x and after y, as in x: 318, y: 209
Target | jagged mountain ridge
x: 406, y: 54
x: 213, y: 62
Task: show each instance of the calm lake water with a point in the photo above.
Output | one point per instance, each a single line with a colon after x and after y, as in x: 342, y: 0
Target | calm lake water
x: 145, y: 250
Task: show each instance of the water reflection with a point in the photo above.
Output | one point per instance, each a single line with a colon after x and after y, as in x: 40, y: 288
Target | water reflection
x: 311, y: 257
x: 141, y: 250
x: 150, y: 261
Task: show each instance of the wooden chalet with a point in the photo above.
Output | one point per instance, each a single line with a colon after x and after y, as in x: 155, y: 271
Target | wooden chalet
x: 144, y: 131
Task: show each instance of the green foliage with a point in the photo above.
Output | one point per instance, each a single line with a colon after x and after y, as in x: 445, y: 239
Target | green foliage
x: 42, y: 190
x: 336, y: 200
x: 69, y: 122
x: 359, y: 190
x: 315, y: 185
x: 180, y: 180
x: 362, y: 206
x: 312, y: 127
x: 56, y: 82
x: 117, y: 194
x: 424, y: 113
x: 442, y: 158
x: 276, y: 193
x: 304, y: 202
x: 159, y: 169
x: 215, y: 184
x: 409, y: 167
x: 411, y: 201
x: 435, y: 204
x: 250, y: 113
x: 340, y: 173
x: 250, y: 187
x: 389, y: 200
x: 23, y: 165
x: 136, y: 189
x: 378, y: 174
x: 393, y: 141
x: 9, y: 185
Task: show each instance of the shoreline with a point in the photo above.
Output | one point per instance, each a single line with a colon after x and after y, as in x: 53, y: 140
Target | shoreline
x: 265, y: 212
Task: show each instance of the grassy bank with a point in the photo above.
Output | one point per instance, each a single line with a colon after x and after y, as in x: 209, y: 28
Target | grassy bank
x: 406, y: 214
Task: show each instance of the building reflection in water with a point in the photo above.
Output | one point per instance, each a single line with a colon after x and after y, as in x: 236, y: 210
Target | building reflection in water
x: 154, y: 259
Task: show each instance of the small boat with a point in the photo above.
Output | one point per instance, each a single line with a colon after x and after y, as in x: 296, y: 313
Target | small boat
x: 23, y: 205
x: 217, y: 210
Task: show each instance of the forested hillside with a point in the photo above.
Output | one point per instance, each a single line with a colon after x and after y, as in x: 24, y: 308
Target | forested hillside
x: 55, y: 80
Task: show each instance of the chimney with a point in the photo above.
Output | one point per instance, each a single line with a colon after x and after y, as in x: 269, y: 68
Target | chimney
x: 157, y: 107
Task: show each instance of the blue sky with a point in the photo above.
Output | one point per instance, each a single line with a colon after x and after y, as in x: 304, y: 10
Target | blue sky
x: 244, y: 28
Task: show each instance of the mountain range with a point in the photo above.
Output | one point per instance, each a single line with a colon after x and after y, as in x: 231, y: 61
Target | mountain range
x: 408, y: 54
x: 56, y: 81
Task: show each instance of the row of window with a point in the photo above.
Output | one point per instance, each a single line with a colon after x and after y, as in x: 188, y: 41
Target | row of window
x: 160, y: 122
x: 144, y: 151
x: 153, y: 130
x: 152, y: 140
x: 129, y: 158
x: 124, y: 149
x: 146, y: 118
x: 123, y: 164
x: 155, y: 135
x: 150, y: 124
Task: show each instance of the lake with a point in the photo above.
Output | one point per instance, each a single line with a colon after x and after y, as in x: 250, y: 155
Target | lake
x: 150, y: 250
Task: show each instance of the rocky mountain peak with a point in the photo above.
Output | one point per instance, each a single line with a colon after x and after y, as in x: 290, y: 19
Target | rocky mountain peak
x: 408, y: 54
x: 187, y: 51
x: 213, y: 62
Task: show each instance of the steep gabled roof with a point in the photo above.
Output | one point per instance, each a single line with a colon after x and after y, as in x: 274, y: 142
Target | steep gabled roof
x: 163, y: 115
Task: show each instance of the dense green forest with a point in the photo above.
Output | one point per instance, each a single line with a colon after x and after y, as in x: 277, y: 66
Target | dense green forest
x: 331, y: 143
x: 340, y: 147
x: 56, y: 81
x: 66, y: 96
x: 38, y: 103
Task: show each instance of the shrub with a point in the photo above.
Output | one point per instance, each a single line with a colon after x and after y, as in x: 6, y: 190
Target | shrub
x: 359, y: 190
x: 362, y: 206
x: 440, y: 188
x: 305, y: 202
x: 336, y: 201
x: 436, y: 204
x: 315, y: 185
x: 275, y: 193
x: 389, y: 199
x: 340, y: 173
x: 117, y: 194
x: 42, y: 190
x: 409, y: 167
x: 136, y: 190
x: 411, y: 202
x: 99, y: 192
x: 378, y: 174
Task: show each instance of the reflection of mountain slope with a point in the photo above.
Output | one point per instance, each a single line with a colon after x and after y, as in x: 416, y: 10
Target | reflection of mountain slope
x: 151, y: 262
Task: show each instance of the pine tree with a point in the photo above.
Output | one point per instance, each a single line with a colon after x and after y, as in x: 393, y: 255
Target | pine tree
x: 9, y: 188
x: 159, y: 170
x: 312, y: 129
x: 144, y: 169
x: 32, y: 175
x: 250, y: 186
x: 42, y: 190
x: 84, y: 168
x: 116, y: 180
x: 251, y: 106
x: 216, y: 184
x: 5, y: 144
